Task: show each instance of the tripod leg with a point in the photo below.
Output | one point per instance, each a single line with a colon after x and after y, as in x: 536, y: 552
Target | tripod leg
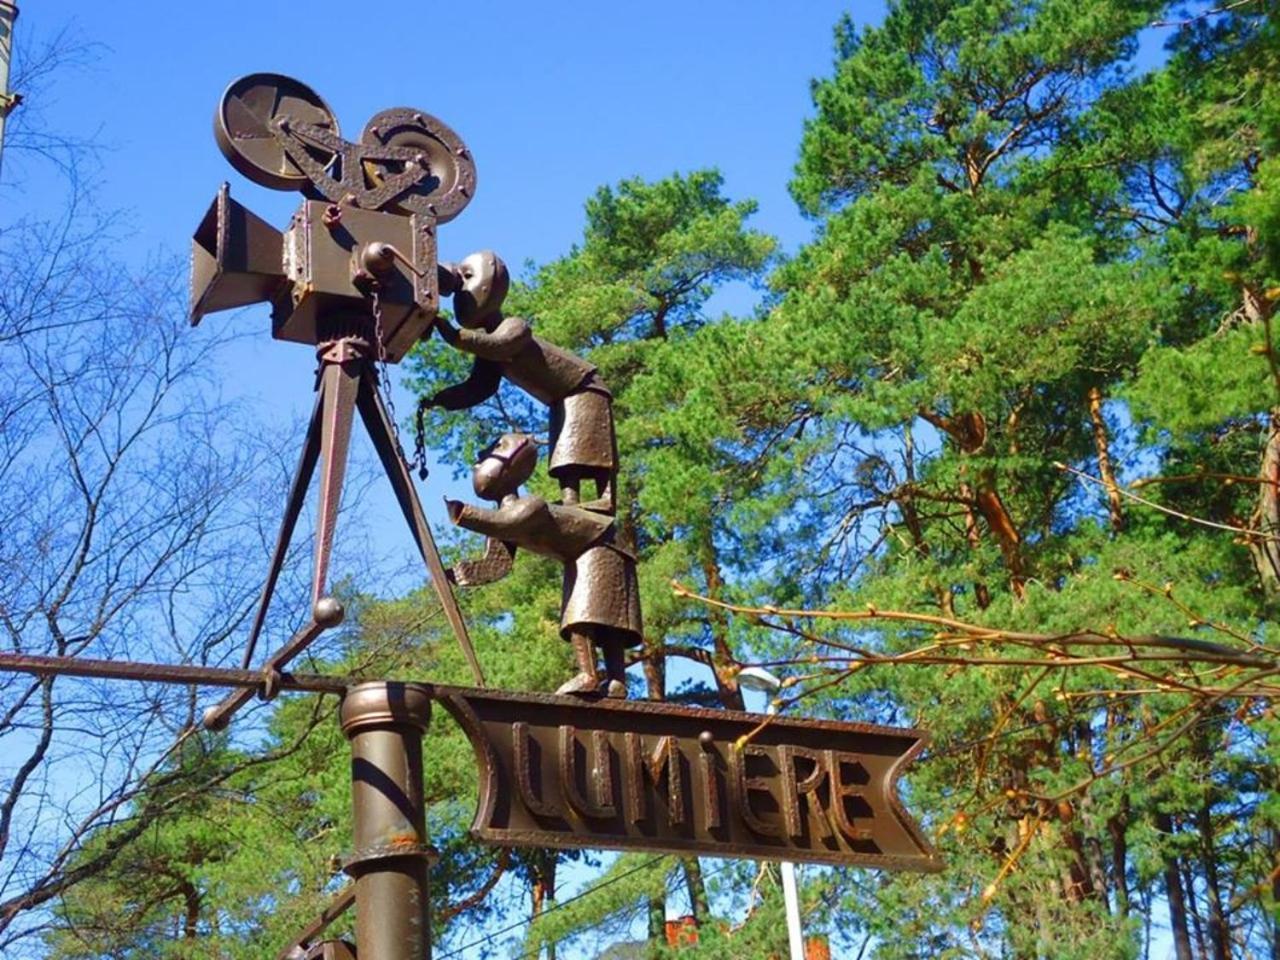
x: 339, y: 386
x: 293, y: 507
x: 378, y: 423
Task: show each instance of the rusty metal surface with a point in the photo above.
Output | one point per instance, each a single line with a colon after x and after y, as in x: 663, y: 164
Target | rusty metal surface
x: 336, y: 907
x: 245, y: 122
x: 279, y: 133
x: 325, y: 255
x: 561, y: 772
x: 357, y: 276
x: 345, y: 384
x: 326, y: 950
x: 387, y: 193
x: 235, y: 258
x: 385, y: 723
x: 451, y: 172
x: 326, y: 613
x: 600, y: 597
x: 292, y: 510
x: 579, y: 403
x: 600, y: 608
x: 164, y: 673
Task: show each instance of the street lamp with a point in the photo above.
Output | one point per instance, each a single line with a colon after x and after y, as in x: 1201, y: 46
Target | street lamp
x: 758, y: 678
x: 8, y: 14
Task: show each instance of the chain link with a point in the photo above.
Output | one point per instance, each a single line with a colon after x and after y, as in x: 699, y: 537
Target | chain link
x: 419, y: 461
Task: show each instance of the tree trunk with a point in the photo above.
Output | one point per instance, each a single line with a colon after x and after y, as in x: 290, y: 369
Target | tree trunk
x: 1266, y: 551
x: 657, y: 926
x: 1174, y: 894
x: 724, y: 664
x: 1197, y: 925
x: 992, y: 509
x: 191, y: 916
x: 1275, y: 895
x: 544, y: 892
x: 981, y: 593
x: 1102, y: 449
x: 1219, y: 929
x: 907, y: 502
x: 698, y: 903
x: 1117, y: 829
x: 969, y: 432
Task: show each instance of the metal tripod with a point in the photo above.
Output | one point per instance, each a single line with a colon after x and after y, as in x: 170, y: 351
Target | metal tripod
x: 345, y: 382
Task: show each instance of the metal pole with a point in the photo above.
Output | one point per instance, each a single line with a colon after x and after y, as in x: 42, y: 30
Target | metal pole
x: 165, y: 673
x: 8, y: 14
x: 385, y: 723
x: 790, y: 893
x: 791, y: 896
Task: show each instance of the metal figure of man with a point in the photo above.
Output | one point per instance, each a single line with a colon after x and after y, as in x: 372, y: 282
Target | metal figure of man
x: 583, y: 444
x: 600, y: 602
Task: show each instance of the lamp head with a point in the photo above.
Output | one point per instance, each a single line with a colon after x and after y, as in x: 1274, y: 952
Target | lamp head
x: 758, y: 678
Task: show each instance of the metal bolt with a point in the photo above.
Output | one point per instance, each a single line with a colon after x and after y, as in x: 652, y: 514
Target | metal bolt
x: 270, y: 684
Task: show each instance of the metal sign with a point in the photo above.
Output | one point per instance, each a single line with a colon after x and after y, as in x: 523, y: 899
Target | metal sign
x: 560, y: 772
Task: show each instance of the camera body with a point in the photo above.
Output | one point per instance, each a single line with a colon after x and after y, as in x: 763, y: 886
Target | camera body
x: 327, y: 265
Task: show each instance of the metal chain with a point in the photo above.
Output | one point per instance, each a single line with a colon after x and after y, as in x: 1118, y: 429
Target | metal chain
x: 419, y: 461
x: 420, y: 438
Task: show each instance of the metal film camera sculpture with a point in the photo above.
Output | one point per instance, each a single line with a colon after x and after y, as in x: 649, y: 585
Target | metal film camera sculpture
x: 355, y: 274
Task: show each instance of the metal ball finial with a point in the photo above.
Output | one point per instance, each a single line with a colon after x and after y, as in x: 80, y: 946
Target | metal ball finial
x: 328, y: 612
x: 214, y: 719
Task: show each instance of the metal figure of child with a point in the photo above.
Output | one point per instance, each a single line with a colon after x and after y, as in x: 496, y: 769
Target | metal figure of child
x: 583, y: 445
x: 600, y: 601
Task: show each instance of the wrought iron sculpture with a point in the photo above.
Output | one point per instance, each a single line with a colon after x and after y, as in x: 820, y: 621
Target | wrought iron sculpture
x: 356, y: 275
x: 600, y: 605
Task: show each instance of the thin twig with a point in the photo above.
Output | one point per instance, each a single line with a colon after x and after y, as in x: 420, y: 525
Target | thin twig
x: 1190, y: 518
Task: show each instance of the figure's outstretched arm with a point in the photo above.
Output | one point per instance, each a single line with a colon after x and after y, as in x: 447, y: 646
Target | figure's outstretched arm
x: 493, y: 566
x: 501, y: 343
x: 481, y: 384
x: 505, y: 523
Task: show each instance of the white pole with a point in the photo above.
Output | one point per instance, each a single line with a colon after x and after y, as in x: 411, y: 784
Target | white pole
x: 8, y: 14
x: 790, y: 893
x: 792, y: 898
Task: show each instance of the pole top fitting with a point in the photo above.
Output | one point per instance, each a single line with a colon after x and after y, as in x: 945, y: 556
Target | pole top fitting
x: 382, y: 703
x: 327, y: 612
